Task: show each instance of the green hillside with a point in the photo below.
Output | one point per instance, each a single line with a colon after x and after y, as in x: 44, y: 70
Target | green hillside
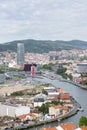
x: 44, y: 46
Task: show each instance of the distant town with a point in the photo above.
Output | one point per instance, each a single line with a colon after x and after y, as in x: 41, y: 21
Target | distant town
x: 75, y: 61
x: 26, y: 100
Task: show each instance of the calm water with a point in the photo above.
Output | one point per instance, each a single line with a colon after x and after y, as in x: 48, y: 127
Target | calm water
x: 79, y: 94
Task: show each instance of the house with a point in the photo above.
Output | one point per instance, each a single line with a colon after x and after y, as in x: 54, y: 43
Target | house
x: 49, y: 89
x: 69, y: 104
x: 39, y: 99
x: 65, y: 110
x: 60, y: 90
x: 65, y: 97
x: 68, y: 126
x: 29, y: 116
x: 84, y: 128
x: 55, y: 110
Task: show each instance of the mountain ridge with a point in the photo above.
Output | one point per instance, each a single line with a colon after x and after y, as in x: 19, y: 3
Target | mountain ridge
x: 44, y: 46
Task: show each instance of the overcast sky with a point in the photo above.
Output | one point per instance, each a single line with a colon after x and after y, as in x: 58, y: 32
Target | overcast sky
x: 43, y: 19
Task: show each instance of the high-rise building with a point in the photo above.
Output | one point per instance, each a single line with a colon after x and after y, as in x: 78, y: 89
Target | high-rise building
x: 20, y: 54
x: 32, y: 70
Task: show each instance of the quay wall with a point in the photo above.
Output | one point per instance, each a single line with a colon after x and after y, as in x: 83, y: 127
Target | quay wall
x: 72, y: 82
x: 69, y: 114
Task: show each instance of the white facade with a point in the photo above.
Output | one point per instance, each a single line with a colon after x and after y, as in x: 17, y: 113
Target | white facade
x: 49, y: 88
x: 38, y: 104
x: 54, y: 111
x: 13, y: 111
x: 22, y: 110
x: 53, y: 93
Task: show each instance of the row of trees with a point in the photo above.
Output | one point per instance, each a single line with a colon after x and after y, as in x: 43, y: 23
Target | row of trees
x: 47, y: 66
x: 60, y: 71
x: 4, y: 68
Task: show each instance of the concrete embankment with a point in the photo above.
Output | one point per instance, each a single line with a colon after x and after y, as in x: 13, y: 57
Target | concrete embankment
x: 69, y: 114
x: 72, y: 82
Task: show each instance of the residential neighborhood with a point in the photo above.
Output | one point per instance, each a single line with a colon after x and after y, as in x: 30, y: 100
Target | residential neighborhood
x: 25, y: 100
x: 15, y: 109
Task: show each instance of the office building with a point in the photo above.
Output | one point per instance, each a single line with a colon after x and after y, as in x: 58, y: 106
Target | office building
x: 20, y: 54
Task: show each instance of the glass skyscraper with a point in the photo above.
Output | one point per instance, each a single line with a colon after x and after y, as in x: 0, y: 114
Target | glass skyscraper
x: 20, y: 54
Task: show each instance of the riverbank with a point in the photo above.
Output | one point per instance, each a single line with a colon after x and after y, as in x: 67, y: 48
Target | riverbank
x: 35, y: 124
x: 72, y: 82
x: 69, y: 114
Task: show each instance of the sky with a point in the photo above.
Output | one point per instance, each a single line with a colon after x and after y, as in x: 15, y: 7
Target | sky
x: 43, y: 20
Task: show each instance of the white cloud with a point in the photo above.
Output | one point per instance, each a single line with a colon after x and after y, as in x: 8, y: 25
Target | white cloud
x: 39, y: 19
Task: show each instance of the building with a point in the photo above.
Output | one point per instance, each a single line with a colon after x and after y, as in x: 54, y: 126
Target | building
x: 65, y: 97
x: 13, y: 110
x: 39, y: 99
x: 27, y: 67
x: 20, y: 54
x: 67, y: 126
x: 55, y: 110
x: 32, y: 70
x: 82, y: 68
x: 49, y: 89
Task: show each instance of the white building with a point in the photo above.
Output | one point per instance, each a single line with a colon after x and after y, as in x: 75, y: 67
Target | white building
x: 13, y: 110
x: 39, y: 99
x: 55, y: 110
x: 50, y: 89
x: 53, y: 93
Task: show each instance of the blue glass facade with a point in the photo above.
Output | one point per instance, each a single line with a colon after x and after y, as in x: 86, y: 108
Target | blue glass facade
x: 20, y: 54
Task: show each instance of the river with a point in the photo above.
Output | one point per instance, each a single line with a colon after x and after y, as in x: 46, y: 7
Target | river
x: 78, y: 93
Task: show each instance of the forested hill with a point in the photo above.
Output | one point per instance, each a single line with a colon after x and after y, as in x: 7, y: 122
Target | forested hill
x: 44, y: 46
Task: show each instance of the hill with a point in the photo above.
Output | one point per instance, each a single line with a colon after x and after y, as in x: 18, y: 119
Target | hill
x: 44, y: 46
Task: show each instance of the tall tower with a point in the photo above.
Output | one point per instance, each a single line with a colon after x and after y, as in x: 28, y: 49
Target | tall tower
x: 20, y: 53
x: 32, y: 70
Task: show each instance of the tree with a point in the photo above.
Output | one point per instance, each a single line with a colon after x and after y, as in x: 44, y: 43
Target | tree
x: 54, y: 102
x: 83, y: 121
x: 48, y: 66
x: 44, y: 108
x: 70, y: 76
x: 61, y: 71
